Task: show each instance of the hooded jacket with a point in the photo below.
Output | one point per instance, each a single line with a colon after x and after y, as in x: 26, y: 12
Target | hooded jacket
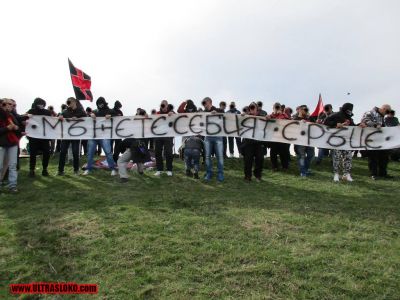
x: 38, y: 111
x: 340, y: 117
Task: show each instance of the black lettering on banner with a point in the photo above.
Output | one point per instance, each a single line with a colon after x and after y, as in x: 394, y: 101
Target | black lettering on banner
x: 208, y: 123
x: 73, y: 127
x: 253, y: 127
x: 368, y: 140
x: 335, y: 135
x: 266, y: 125
x: 309, y: 137
x: 117, y: 129
x: 45, y: 121
x: 154, y: 126
x: 143, y: 119
x: 284, y: 130
x: 176, y: 122
x: 191, y: 125
x: 103, y: 128
x: 353, y: 130
x: 237, y: 130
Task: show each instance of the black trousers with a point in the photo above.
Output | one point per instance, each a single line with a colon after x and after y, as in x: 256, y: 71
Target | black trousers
x: 231, y: 144
x: 377, y: 162
x: 84, y: 146
x: 253, y: 153
x: 164, y: 144
x: 282, y: 150
x: 36, y: 145
x: 63, y: 154
x: 225, y: 142
x: 117, y: 149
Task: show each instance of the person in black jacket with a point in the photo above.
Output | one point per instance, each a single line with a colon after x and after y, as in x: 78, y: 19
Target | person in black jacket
x: 74, y: 111
x: 9, y: 139
x: 36, y: 145
x: 253, y: 151
x: 341, y: 157
x: 115, y: 144
x: 164, y: 144
x: 102, y: 111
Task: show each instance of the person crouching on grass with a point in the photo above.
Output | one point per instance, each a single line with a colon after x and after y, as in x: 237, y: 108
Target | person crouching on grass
x: 253, y: 151
x: 136, y: 150
x: 341, y: 157
x: 193, y: 145
x: 9, y: 132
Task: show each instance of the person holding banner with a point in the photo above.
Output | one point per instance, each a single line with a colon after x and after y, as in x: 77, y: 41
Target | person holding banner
x: 213, y: 144
x: 73, y: 112
x: 305, y: 154
x: 281, y: 149
x: 253, y: 151
x: 377, y: 159
x: 233, y: 110
x: 164, y: 144
x: 102, y: 111
x: 9, y: 140
x: 36, y: 145
x: 341, y: 157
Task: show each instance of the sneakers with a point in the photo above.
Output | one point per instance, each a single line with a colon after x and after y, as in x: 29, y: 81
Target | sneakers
x: 336, y: 177
x: 87, y: 172
x: 347, y: 177
x: 158, y: 173
x: 45, y: 173
x: 13, y: 189
x: 60, y: 173
x: 114, y: 173
x: 123, y: 180
x: 169, y: 173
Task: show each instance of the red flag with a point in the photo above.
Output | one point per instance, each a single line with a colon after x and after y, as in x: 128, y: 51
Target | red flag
x: 319, y: 109
x: 81, y: 83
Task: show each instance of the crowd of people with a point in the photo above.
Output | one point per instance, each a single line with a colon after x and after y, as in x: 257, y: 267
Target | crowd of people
x: 119, y: 153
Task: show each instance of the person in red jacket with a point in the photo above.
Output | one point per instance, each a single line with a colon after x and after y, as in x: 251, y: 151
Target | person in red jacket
x: 9, y: 140
x: 280, y: 149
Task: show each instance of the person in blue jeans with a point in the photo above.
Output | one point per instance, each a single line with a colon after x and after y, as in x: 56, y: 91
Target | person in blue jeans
x: 102, y: 111
x: 213, y: 144
x: 304, y: 157
x: 304, y: 154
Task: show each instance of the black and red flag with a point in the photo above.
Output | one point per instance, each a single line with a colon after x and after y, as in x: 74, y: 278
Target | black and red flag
x: 81, y: 83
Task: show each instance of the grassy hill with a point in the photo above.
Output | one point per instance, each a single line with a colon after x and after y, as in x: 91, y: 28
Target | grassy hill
x: 178, y: 238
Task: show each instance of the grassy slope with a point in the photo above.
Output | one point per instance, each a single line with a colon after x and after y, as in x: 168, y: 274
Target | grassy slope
x: 283, y: 238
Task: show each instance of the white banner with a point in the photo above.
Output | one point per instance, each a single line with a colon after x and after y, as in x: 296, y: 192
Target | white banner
x: 206, y: 124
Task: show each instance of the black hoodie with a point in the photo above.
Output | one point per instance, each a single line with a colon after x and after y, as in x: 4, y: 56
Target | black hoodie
x: 341, y: 116
x: 35, y: 110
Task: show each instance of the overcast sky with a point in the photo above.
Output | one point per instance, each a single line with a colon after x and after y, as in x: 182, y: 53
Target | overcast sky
x: 140, y: 52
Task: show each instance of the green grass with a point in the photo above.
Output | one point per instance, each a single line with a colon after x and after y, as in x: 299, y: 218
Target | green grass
x: 178, y: 238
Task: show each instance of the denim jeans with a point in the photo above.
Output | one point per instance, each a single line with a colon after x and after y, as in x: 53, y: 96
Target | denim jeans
x: 214, y: 144
x: 11, y: 155
x: 304, y: 157
x: 106, y: 146
x: 192, y: 159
